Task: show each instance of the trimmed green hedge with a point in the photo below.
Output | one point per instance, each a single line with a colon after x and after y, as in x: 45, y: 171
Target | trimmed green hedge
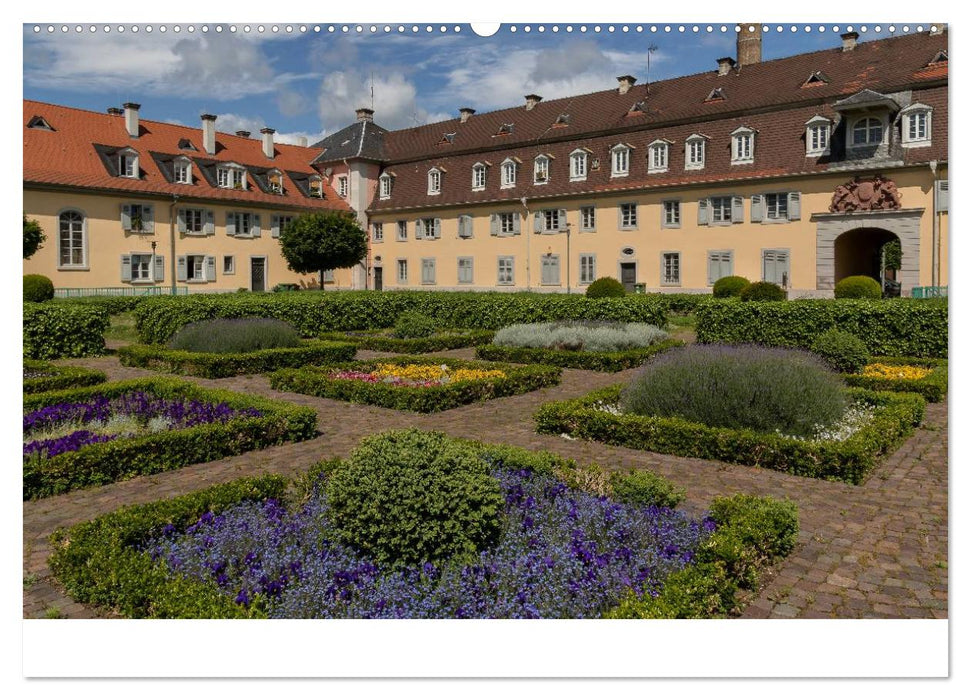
x: 60, y: 330
x: 158, y: 318
x: 315, y: 382
x: 903, y: 327
x: 851, y: 460
x: 214, y: 365
x: 58, y: 377
x: 99, y: 562
x: 124, y: 458
x: 578, y: 359
x: 382, y: 342
x: 933, y: 387
x: 112, y: 304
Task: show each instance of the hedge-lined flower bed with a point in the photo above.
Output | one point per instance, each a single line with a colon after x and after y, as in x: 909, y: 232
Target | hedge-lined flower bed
x: 63, y: 330
x: 384, y: 341
x: 80, y: 437
x: 381, y: 382
x: 44, y: 376
x: 883, y: 420
x: 214, y: 365
x: 577, y: 359
x: 238, y: 550
x: 923, y: 376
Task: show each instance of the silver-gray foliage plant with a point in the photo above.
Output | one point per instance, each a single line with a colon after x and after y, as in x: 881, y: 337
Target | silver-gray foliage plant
x: 587, y: 336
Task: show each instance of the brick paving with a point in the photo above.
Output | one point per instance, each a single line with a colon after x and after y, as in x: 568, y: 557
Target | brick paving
x: 873, y: 551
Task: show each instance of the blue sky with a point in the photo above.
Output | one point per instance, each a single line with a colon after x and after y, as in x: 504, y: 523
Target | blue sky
x: 308, y: 84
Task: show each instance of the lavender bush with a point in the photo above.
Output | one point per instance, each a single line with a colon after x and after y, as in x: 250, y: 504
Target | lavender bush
x: 589, y: 336
x: 561, y: 553
x: 235, y: 335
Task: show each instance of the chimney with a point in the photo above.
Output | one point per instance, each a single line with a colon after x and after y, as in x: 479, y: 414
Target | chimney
x: 209, y: 133
x: 465, y: 113
x: 937, y: 28
x: 302, y: 141
x: 115, y: 111
x: 365, y: 114
x: 725, y: 65
x: 849, y: 40
x: 268, y: 141
x: 625, y: 83
x: 532, y: 101
x: 244, y: 134
x: 749, y: 43
x: 131, y: 118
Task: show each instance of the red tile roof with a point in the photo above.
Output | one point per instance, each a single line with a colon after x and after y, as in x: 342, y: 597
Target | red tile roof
x: 67, y: 156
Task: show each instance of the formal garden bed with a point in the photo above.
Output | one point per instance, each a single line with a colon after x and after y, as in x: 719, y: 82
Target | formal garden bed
x: 420, y: 384
x: 764, y: 407
x: 97, y: 435
x: 595, y: 345
x: 924, y: 376
x: 385, y: 340
x: 42, y: 376
x: 419, y: 525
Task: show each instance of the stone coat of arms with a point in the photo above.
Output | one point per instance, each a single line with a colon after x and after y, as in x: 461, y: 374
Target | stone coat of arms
x: 865, y: 194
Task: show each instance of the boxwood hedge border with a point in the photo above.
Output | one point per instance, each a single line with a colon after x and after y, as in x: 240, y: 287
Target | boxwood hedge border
x: 446, y: 340
x: 60, y: 377
x: 576, y: 359
x: 215, y: 365
x: 125, y: 458
x: 933, y: 387
x: 314, y: 381
x: 895, y: 417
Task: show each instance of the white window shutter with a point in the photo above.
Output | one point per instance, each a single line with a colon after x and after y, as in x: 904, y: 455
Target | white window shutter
x: 795, y: 206
x: 230, y: 224
x: 126, y: 268
x: 738, y: 213
x: 757, y: 208
x: 438, y: 229
x: 255, y: 228
x: 180, y: 269
x: 538, y: 222
x: 210, y: 268
x: 159, y: 268
x: 493, y: 224
x: 148, y: 218
x: 210, y: 222
x: 181, y: 220
x: 516, y: 224
x: 275, y: 225
x: 703, y: 212
x: 126, y: 217
x: 419, y: 229
x: 561, y: 219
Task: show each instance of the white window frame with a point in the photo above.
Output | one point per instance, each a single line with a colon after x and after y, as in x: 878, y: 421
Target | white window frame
x: 459, y: 269
x: 189, y: 268
x: 778, y: 197
x: 401, y: 265
x: 385, y: 186
x: 343, y: 186
x: 128, y: 161
x: 690, y: 143
x: 508, y: 174
x: 509, y: 262
x: 628, y: 216
x: 743, y: 146
x: 591, y: 210
x: 190, y: 215
x: 507, y: 217
x: 620, y: 160
x: 315, y: 186
x: 275, y: 187
x: 478, y: 177
x: 851, y: 134
x: 818, y: 129
x: 667, y: 219
x: 401, y: 231
x: 183, y: 171
x: 377, y: 232
x: 541, y: 170
x: 72, y: 246
x: 578, y: 165
x: 658, y: 153
x: 910, y: 115
x: 229, y: 175
x: 588, y: 267
x: 227, y: 269
x: 434, y: 181
x: 665, y: 280
x: 550, y: 217
x: 149, y: 278
x: 711, y: 205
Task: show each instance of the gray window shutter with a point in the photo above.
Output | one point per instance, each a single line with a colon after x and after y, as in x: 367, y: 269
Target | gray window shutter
x: 419, y: 229
x: 712, y: 268
x: 159, y: 275
x: 757, y: 208
x: 493, y: 224
x: 704, y: 211
x: 126, y: 217
x: 180, y: 269
x: 538, y: 222
x: 795, y: 202
x: 126, y: 268
x: 148, y: 218
x: 438, y: 229
x: 620, y: 216
x: 230, y: 224
x: 738, y: 213
x: 275, y: 226
x: 255, y: 228
x: 210, y: 268
x: 210, y: 222
x: 943, y: 198
x: 181, y: 220
x: 516, y: 224
x: 562, y: 219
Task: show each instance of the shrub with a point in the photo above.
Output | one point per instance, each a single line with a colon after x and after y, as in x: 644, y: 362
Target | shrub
x: 898, y: 327
x: 730, y: 286
x: 590, y: 336
x: 645, y: 488
x: 605, y: 287
x: 857, y: 287
x: 413, y: 324
x: 44, y: 376
x: 384, y: 342
x: 596, y: 361
x: 740, y: 387
x: 56, y: 330
x: 842, y: 351
x: 112, y: 305
x: 38, y: 288
x: 410, y: 497
x: 235, y: 335
x: 762, y: 291
x: 34, y: 237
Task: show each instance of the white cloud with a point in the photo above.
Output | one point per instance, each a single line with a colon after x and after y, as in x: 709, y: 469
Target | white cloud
x: 396, y: 102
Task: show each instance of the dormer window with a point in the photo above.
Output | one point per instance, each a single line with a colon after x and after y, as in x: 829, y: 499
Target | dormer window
x: 275, y: 182
x: 620, y: 160
x: 694, y: 152
x: 186, y: 145
x: 816, y: 78
x: 541, y: 170
x: 508, y: 173
x: 578, y: 165
x: 867, y: 132
x: 128, y: 164
x: 939, y: 57
x: 817, y: 136
x: 39, y: 123
x: 386, y: 182
x: 562, y: 120
x: 434, y: 181
x: 447, y: 139
x: 916, y: 126
x: 478, y: 177
x: 182, y: 171
x: 638, y: 108
x: 316, y: 187
x: 504, y: 129
x: 231, y: 177
x: 716, y: 95
x: 743, y: 145
x: 657, y: 156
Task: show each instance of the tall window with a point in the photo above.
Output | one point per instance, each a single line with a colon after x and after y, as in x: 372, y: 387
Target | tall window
x: 242, y: 223
x: 867, y: 132
x: 541, y: 170
x: 775, y: 267
x: 694, y: 158
x: 657, y: 157
x: 505, y: 271
x: 428, y: 270
x: 743, y: 143
x: 465, y: 270
x: 719, y: 265
x: 588, y: 218
x: 183, y: 172
x: 402, y: 234
x: 402, y: 267
x: 478, y: 176
x: 817, y: 136
x: 507, y: 222
x: 552, y: 221
x: 377, y: 229
x: 71, y: 239
x: 316, y: 188
x: 195, y: 220
x: 509, y: 173
x: 550, y: 269
x: 578, y: 165
x: 588, y: 268
x: 671, y: 268
x: 917, y: 125
x: 386, y: 182
x: 628, y: 216
x: 672, y: 213
x: 342, y: 186
x: 620, y: 161
x: 434, y: 181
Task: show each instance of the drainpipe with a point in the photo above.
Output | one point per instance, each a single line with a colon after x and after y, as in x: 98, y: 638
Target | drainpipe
x: 528, y: 234
x: 935, y: 236
x: 172, y: 267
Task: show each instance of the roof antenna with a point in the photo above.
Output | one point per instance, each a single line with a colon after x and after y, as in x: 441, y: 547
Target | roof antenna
x: 650, y: 49
x: 372, y: 91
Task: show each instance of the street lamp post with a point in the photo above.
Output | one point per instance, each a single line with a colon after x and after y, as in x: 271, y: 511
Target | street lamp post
x: 568, y: 227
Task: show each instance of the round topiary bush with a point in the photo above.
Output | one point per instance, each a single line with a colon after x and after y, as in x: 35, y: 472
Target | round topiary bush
x: 412, y: 324
x: 842, y: 351
x: 233, y: 335
x: 739, y: 387
x: 857, y: 287
x: 762, y: 291
x: 730, y: 286
x: 38, y: 288
x: 605, y: 287
x: 408, y: 497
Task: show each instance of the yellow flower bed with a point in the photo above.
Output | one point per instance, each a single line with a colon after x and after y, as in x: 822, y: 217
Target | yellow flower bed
x: 434, y: 373
x: 881, y: 371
